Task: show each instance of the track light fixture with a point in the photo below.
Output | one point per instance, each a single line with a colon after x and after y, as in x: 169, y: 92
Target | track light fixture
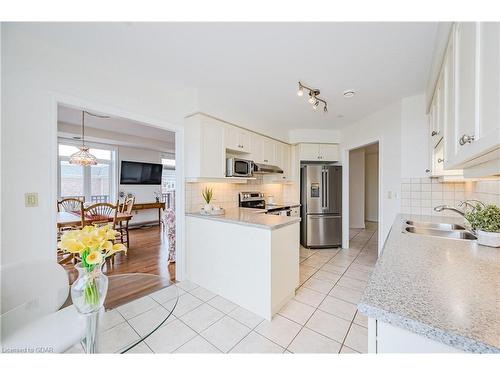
x: 314, y: 98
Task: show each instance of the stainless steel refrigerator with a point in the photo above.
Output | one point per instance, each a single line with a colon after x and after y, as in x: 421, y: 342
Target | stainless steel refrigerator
x: 321, y: 205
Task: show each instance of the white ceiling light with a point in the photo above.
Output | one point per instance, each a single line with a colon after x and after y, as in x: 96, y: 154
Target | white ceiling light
x: 313, y: 97
x: 349, y: 93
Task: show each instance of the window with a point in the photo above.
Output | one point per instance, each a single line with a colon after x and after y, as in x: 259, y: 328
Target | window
x: 95, y: 182
x: 168, y: 181
x: 168, y: 175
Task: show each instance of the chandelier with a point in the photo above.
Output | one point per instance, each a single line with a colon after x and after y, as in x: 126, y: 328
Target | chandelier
x: 83, y: 156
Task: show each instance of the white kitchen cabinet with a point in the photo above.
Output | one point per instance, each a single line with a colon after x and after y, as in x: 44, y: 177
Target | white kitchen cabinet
x: 236, y: 139
x: 387, y: 338
x: 283, y: 159
x: 475, y: 130
x: 441, y: 118
x: 318, y: 152
x: 268, y: 151
x: 256, y: 148
x: 204, y: 146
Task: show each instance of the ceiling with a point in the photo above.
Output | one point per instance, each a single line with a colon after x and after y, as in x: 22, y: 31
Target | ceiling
x: 114, y: 124
x: 247, y: 73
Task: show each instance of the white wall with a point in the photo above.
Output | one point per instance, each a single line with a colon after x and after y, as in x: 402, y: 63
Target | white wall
x: 36, y: 71
x: 371, y: 186
x: 414, y: 138
x: 142, y: 193
x: 357, y: 188
x: 383, y: 126
x: 313, y: 136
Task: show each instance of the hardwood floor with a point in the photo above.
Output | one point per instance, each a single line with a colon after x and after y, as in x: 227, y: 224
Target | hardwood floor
x: 148, y: 253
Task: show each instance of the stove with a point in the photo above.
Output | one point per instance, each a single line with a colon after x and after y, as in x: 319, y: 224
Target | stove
x: 256, y: 200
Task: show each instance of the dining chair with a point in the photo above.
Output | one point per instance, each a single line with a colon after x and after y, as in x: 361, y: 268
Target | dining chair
x: 126, y: 208
x: 70, y: 204
x: 100, y: 214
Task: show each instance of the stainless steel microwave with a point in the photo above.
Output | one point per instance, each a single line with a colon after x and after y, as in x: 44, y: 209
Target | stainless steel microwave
x: 239, y: 167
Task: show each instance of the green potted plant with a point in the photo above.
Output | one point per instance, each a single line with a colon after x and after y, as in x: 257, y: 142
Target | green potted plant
x: 207, y: 195
x: 486, y: 222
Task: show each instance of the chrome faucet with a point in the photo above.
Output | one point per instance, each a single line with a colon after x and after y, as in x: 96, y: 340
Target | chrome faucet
x: 467, y: 203
x: 446, y: 207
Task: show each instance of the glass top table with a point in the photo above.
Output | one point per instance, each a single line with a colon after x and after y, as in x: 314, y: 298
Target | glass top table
x: 136, y: 306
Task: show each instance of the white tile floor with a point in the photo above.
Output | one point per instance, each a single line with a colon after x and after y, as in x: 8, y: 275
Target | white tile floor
x: 322, y: 318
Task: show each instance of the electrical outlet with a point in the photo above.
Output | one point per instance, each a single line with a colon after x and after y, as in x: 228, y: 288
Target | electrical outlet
x: 31, y: 199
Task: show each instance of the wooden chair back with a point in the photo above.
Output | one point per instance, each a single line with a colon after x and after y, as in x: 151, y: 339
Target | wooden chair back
x: 100, y: 214
x: 70, y: 205
x: 127, y: 206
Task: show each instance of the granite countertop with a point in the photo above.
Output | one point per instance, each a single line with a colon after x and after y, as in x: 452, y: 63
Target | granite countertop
x: 250, y: 217
x: 444, y: 289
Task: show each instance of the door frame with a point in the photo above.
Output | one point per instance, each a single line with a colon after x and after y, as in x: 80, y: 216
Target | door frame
x: 346, y: 191
x: 71, y: 101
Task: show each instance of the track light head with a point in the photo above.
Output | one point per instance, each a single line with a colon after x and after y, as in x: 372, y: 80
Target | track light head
x: 300, y: 91
x: 325, y: 109
x: 312, y: 98
x: 316, y: 105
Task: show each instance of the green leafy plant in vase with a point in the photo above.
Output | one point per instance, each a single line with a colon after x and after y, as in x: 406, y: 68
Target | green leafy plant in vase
x: 485, y: 221
x: 207, y: 195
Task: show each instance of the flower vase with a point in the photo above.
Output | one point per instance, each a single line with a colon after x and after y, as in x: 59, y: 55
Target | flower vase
x: 89, y: 290
x: 88, y: 293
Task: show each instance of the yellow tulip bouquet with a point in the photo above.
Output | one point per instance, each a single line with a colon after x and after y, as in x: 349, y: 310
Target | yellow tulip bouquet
x: 93, y: 244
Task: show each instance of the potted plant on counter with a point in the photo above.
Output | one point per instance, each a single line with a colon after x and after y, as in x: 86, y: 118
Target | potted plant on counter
x: 486, y: 222
x: 207, y: 195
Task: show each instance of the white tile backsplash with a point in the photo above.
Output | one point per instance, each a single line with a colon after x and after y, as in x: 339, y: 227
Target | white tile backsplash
x: 226, y: 194
x: 421, y: 195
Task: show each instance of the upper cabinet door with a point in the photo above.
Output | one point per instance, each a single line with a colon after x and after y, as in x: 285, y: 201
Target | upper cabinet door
x: 309, y: 151
x: 257, y: 148
x: 236, y: 139
x: 476, y: 128
x: 329, y: 152
x: 269, y: 153
x: 465, y: 80
x: 212, y: 155
x: 231, y: 138
x: 487, y: 133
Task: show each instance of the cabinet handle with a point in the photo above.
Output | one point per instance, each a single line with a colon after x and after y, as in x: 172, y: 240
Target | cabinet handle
x: 440, y: 160
x: 434, y: 133
x: 465, y: 139
x: 427, y: 170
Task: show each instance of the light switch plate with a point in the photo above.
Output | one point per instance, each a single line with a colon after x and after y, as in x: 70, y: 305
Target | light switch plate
x: 31, y: 199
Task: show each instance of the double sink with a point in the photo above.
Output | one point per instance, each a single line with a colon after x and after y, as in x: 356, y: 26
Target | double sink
x: 438, y: 230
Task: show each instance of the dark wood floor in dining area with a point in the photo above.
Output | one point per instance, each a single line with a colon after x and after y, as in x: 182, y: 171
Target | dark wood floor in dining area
x: 148, y: 253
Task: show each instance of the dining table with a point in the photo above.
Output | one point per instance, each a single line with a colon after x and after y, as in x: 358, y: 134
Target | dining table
x: 68, y: 219
x: 135, y: 307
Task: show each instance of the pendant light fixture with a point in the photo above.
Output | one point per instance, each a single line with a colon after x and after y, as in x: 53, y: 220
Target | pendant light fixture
x: 83, y: 157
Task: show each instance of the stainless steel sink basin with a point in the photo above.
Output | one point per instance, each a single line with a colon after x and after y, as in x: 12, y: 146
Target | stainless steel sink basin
x: 456, y: 234
x: 439, y: 226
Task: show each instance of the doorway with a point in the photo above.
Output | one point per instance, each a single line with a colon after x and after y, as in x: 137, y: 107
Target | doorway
x: 364, y: 190
x: 115, y: 142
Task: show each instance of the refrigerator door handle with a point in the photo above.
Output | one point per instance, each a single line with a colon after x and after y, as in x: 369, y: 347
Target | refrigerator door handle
x: 327, y: 190
x: 323, y: 189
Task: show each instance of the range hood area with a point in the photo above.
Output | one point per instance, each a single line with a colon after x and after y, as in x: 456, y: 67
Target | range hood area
x: 259, y: 168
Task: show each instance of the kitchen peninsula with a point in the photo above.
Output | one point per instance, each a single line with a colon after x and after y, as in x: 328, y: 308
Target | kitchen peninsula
x: 246, y: 256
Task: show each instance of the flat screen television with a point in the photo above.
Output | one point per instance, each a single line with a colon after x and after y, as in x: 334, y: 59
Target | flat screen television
x: 137, y: 173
